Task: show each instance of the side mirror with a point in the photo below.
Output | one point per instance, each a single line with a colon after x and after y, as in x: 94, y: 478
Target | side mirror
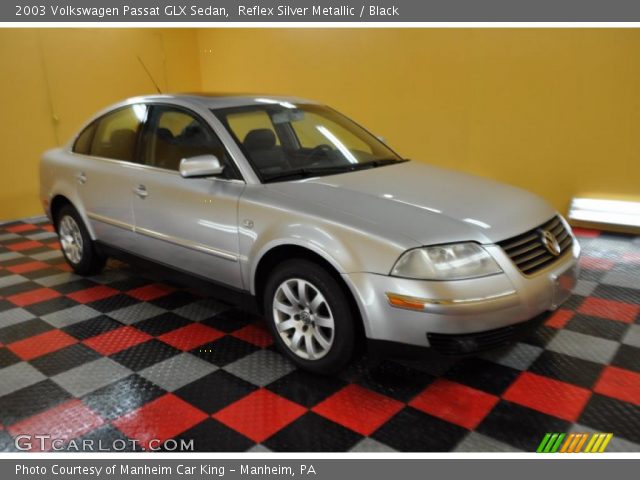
x: 200, y: 166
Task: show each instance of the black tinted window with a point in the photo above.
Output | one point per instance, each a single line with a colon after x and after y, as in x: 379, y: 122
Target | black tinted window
x: 174, y: 134
x: 83, y: 142
x: 116, y: 133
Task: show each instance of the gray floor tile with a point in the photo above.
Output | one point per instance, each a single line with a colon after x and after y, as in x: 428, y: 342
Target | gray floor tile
x: 69, y: 316
x: 476, y: 442
x: 18, y: 376
x: 583, y: 346
x: 177, y: 371
x: 91, y: 376
x: 136, y: 313
x: 370, y: 445
x: 14, y: 316
x: 520, y: 356
x: 9, y: 280
x: 261, y: 367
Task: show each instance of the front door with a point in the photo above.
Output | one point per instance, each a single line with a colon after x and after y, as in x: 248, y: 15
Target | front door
x: 187, y: 223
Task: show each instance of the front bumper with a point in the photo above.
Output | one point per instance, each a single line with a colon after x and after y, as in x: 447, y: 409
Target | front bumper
x: 462, y: 307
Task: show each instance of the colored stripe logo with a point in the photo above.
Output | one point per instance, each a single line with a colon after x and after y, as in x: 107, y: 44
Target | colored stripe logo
x: 574, y: 443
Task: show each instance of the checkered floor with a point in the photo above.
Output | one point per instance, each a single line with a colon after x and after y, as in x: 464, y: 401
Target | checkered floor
x: 119, y: 357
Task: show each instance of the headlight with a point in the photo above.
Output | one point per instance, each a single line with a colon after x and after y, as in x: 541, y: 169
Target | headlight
x: 446, y: 262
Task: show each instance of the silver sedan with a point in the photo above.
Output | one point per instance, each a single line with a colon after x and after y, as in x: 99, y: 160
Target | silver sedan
x: 297, y: 210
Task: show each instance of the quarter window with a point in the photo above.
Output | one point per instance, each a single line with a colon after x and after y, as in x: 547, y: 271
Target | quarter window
x: 117, y: 132
x: 83, y: 142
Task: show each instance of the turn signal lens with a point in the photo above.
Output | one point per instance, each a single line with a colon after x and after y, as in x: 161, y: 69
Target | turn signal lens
x: 402, y: 301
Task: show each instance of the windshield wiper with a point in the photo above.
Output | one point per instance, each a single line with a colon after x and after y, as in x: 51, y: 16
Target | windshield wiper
x: 309, y: 172
x: 380, y: 163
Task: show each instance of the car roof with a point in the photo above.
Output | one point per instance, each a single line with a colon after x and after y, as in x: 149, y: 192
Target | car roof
x: 225, y: 100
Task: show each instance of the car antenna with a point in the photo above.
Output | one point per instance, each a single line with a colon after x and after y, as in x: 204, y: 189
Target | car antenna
x: 149, y: 74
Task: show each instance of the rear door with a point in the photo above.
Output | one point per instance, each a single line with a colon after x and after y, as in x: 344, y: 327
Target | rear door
x: 103, y: 176
x: 188, y: 223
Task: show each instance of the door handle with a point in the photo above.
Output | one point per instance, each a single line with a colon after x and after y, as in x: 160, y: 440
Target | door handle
x: 81, y: 178
x: 141, y: 191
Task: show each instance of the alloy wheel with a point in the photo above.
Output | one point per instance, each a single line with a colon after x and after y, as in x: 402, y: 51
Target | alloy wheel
x: 303, y: 319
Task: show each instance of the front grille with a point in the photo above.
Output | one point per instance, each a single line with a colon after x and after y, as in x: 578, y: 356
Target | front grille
x: 473, y: 343
x: 529, y: 253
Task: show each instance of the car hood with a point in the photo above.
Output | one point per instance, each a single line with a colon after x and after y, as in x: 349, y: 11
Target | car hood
x: 428, y: 204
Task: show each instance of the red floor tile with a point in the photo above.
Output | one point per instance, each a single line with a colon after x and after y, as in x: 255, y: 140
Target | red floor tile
x: 151, y: 292
x: 559, y: 318
x: 549, y: 396
x: 358, y: 408
x: 586, y: 232
x: 260, y: 414
x: 455, y: 403
x: 601, y: 307
x: 48, y: 228
x: 255, y: 333
x: 20, y: 246
x: 39, y: 345
x: 160, y: 420
x: 25, y: 227
x: 116, y: 340
x: 28, y: 267
x: 191, y: 336
x: 632, y: 257
x: 619, y: 383
x: 68, y: 420
x: 92, y: 294
x: 33, y: 296
x: 593, y: 263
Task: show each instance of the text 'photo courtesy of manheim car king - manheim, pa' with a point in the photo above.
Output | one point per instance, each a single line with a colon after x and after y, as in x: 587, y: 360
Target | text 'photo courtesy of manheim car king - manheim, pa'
x: 337, y: 240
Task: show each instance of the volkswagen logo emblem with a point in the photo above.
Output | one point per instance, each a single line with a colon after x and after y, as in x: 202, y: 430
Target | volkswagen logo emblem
x: 550, y: 242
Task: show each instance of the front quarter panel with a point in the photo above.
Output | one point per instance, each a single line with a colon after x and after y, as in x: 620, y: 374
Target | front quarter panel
x: 268, y: 220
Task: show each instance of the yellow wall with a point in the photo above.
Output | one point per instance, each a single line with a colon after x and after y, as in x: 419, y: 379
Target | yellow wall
x: 53, y: 79
x: 554, y: 111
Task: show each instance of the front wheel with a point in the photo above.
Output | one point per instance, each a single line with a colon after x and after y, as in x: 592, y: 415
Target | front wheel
x: 77, y: 247
x: 310, y: 316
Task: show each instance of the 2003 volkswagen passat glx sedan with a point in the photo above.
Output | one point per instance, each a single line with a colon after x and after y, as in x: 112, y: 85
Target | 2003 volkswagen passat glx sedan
x: 336, y: 237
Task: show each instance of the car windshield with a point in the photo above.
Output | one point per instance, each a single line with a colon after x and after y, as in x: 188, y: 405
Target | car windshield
x: 285, y: 141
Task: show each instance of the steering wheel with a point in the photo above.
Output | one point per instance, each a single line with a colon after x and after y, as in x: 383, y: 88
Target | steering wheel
x: 323, y: 148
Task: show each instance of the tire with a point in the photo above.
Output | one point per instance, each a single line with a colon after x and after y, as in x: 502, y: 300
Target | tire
x: 308, y: 339
x: 78, y: 248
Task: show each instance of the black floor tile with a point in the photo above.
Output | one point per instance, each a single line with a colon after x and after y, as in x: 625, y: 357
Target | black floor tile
x: 31, y: 400
x: 215, y: 391
x: 520, y: 426
x: 64, y: 359
x: 145, y: 354
x: 212, y: 436
x: 567, y: 368
x: 312, y: 433
x: 414, y: 431
x: 609, y: 415
x: 122, y: 397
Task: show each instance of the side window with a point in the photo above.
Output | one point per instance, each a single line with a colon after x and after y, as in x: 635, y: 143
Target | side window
x: 83, y: 142
x: 174, y: 134
x: 116, y: 133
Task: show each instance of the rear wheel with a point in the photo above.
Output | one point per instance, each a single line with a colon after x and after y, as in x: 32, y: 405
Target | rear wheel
x: 310, y: 316
x: 77, y: 246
